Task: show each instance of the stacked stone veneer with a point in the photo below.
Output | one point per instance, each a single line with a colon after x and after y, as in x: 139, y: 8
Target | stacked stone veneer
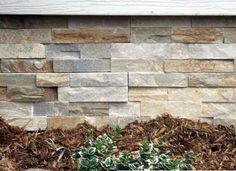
x: 58, y: 71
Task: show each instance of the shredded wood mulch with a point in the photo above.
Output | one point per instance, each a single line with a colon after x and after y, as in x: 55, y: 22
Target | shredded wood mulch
x: 214, y: 147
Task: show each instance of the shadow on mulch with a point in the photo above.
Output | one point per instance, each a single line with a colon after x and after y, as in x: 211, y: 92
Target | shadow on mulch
x: 214, y: 147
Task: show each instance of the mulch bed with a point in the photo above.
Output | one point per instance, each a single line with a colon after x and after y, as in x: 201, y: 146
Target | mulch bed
x: 214, y: 147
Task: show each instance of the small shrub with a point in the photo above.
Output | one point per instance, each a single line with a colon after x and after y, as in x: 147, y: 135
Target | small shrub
x: 98, y: 156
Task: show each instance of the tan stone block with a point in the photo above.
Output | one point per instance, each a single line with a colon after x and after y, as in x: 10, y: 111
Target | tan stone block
x: 64, y: 122
x: 190, y: 65
x: 136, y: 65
x: 13, y: 109
x: 197, y: 35
x: 212, y: 80
x: 25, y: 36
x: 3, y: 94
x: 175, y: 108
x: 219, y: 95
x: 26, y: 66
x: 52, y: 80
x: 124, y: 109
x: 219, y: 110
x: 97, y: 121
x: 185, y: 94
x: 147, y: 94
x: 84, y: 35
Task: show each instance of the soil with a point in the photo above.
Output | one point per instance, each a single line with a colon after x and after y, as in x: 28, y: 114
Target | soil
x: 214, y: 147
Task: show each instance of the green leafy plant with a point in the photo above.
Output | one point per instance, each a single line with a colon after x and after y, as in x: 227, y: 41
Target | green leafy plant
x: 99, y: 156
x: 117, y: 131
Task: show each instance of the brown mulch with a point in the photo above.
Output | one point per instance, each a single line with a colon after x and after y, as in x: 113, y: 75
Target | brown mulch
x: 214, y: 147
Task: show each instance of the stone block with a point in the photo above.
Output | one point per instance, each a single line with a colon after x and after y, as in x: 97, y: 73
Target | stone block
x: 157, y: 80
x: 91, y: 35
x: 136, y: 65
x: 93, y: 94
x: 11, y: 22
x: 50, y: 109
x: 97, y: 121
x: 3, y: 93
x: 12, y: 109
x: 160, y: 21
x: 214, y: 21
x: 35, y: 22
x: 88, y: 109
x: 98, y: 21
x: 219, y: 110
x: 95, y: 50
x: 230, y: 35
x: 124, y: 109
x: 82, y: 65
x: 29, y: 65
x: 98, y: 80
x: 122, y: 121
x: 25, y: 36
x: 173, y: 51
x: 191, y: 65
x: 225, y: 121
x: 212, y: 80
x: 30, y: 94
x: 10, y: 79
x: 52, y: 80
x: 148, y: 94
x: 64, y: 122
x: 62, y: 51
x: 197, y: 35
x: 29, y: 123
x: 150, y: 35
x: 22, y: 51
x: 175, y: 108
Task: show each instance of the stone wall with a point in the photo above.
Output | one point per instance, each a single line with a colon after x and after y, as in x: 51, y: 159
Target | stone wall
x: 57, y: 71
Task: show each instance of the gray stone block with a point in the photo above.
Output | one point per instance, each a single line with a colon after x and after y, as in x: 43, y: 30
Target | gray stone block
x: 157, y: 80
x: 50, y: 109
x: 214, y: 21
x: 12, y: 109
x: 230, y: 35
x: 98, y: 80
x: 93, y: 94
x: 82, y: 65
x: 22, y: 51
x: 7, y: 79
x: 95, y: 50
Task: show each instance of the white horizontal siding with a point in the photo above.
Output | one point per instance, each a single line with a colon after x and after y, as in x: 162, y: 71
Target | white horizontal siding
x: 119, y: 7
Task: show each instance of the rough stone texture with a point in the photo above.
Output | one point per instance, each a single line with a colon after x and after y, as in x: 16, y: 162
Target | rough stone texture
x: 97, y: 121
x: 160, y: 21
x: 202, y: 94
x: 150, y: 34
x: 173, y: 51
x: 148, y: 94
x: 93, y: 94
x: 136, y: 65
x: 50, y: 109
x: 88, y: 109
x: 124, y: 109
x: 224, y: 121
x: 10, y: 79
x: 178, y: 108
x: 216, y: 21
x: 212, y: 80
x: 29, y: 65
x: 25, y: 36
x: 64, y: 122
x: 12, y: 109
x: 94, y: 50
x: 64, y: 51
x: 52, y: 80
x: 99, y: 80
x: 190, y: 65
x: 98, y: 21
x: 22, y: 51
x: 96, y: 35
x: 82, y: 65
x: 220, y: 110
x: 3, y: 94
x: 230, y: 35
x: 35, y: 22
x: 197, y: 35
x: 157, y: 80
x: 30, y: 94
x: 14, y: 22
x: 29, y: 123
